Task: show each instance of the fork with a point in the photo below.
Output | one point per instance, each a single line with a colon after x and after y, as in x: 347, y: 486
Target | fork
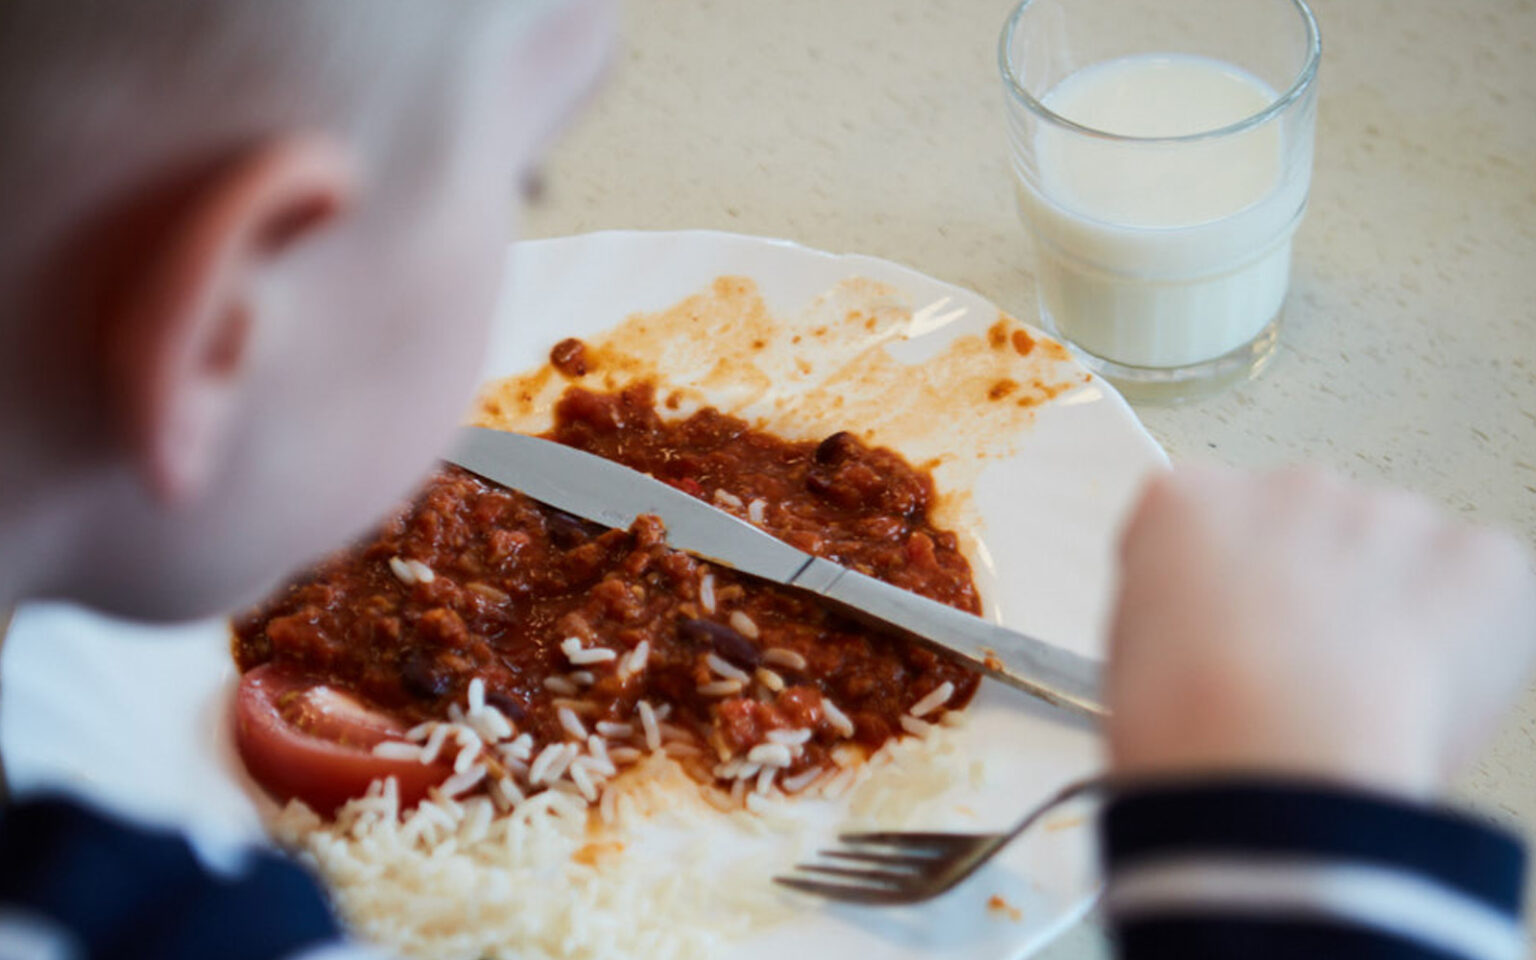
x: 888, y: 869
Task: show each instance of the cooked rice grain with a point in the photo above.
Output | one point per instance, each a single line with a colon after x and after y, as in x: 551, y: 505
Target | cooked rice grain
x: 934, y: 700
x: 837, y: 718
x: 652, y: 729
x: 782, y: 657
x: 725, y: 669
x: 744, y: 625
x: 397, y: 750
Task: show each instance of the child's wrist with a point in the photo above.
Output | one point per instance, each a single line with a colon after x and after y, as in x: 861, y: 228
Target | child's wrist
x: 1385, y: 750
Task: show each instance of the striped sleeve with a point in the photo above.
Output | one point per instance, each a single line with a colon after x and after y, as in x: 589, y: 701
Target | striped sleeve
x: 1260, y: 869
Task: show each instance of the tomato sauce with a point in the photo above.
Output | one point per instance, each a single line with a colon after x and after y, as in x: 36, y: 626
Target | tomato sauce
x: 475, y: 580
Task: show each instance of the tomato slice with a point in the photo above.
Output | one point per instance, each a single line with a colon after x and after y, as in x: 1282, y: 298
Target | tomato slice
x: 309, y: 741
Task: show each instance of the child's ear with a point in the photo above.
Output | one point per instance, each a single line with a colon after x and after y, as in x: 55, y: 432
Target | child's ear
x: 176, y: 348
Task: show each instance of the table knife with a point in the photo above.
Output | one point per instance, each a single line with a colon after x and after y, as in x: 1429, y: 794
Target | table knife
x: 612, y: 494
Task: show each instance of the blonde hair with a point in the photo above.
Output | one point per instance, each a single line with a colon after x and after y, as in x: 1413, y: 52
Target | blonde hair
x: 94, y: 93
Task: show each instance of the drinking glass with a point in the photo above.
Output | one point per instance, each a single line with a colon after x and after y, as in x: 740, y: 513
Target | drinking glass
x: 1162, y: 156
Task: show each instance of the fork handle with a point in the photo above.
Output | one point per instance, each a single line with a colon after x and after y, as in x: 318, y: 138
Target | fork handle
x: 1073, y: 790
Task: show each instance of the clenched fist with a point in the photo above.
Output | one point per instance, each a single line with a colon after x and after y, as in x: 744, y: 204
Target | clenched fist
x: 1294, y: 623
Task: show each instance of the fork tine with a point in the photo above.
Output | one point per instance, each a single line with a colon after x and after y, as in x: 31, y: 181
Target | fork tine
x: 914, y: 862
x: 850, y: 893
x: 943, y: 842
x: 890, y: 878
x: 904, y: 868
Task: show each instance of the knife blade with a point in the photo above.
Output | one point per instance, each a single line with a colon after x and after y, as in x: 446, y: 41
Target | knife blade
x: 612, y: 494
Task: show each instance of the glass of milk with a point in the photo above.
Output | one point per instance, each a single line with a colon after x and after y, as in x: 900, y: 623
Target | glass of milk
x: 1162, y: 154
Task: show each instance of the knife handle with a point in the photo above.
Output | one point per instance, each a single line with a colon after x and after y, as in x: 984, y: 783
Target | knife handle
x: 1057, y: 676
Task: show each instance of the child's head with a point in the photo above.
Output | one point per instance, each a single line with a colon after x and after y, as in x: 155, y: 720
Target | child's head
x: 250, y: 247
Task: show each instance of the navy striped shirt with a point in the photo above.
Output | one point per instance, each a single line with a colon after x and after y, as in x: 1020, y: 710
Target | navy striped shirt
x: 1262, y: 868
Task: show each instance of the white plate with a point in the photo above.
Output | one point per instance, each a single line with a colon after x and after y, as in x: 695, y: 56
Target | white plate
x: 133, y: 716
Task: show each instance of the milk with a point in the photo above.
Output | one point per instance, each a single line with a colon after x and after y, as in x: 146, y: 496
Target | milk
x: 1162, y: 254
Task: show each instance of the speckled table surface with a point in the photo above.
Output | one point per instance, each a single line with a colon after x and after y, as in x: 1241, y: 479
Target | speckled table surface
x: 873, y: 126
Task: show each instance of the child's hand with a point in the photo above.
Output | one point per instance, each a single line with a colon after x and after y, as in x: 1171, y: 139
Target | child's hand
x: 1293, y: 623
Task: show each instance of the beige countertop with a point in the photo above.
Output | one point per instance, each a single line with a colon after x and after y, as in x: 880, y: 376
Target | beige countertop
x: 873, y: 126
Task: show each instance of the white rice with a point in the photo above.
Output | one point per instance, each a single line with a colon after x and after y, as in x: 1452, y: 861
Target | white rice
x: 837, y: 718
x: 636, y: 660
x: 583, y: 656
x: 838, y: 783
x: 518, y: 768
x: 583, y: 781
x: 561, y: 686
x: 726, y: 669
x: 571, y: 723
x: 562, y: 762
x: 597, y: 753
x: 771, y: 755
x: 726, y: 499
x: 524, y: 876
x: 434, y: 743
x: 780, y: 657
x: 463, y: 780
x: 411, y: 572
x: 720, y: 688
x: 847, y: 755
x: 508, y: 791
x: 488, y: 592
x: 591, y: 655
x: 492, y: 724
x: 790, y: 738
x: 521, y: 747
x: 757, y: 511
x: 652, y: 729
x: 466, y: 758
x: 707, y: 592
x: 539, y: 772
x: 736, y: 769
x: 402, y: 571
x: 936, y: 699
x: 625, y: 756
x: 743, y: 625
x: 494, y: 863
x: 608, y: 806
x: 397, y: 750
x: 801, y: 780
